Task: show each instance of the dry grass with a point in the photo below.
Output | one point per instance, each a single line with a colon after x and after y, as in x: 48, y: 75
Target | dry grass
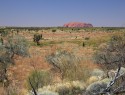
x: 52, y: 43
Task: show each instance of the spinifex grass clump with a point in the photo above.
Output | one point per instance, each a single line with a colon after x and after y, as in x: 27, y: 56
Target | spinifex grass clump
x: 38, y: 79
x: 68, y: 65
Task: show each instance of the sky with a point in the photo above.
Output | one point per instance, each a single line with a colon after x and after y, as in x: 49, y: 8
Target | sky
x: 49, y: 13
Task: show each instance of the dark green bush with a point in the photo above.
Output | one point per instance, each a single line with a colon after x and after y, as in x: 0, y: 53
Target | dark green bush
x: 37, y: 38
x: 83, y: 44
x: 3, y: 32
x: 54, y: 30
x: 87, y: 38
x: 1, y: 41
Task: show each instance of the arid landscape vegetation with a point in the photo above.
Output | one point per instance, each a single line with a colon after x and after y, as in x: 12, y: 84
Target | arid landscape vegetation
x: 62, y: 47
x: 62, y: 61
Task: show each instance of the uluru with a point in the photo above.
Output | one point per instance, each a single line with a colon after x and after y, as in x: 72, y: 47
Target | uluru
x: 77, y: 24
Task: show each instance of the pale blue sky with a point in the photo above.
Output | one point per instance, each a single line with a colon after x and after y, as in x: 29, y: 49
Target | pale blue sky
x: 57, y: 12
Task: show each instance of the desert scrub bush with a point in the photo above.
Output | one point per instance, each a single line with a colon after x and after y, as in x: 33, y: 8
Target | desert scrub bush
x: 92, y: 79
x: 96, y: 75
x: 83, y: 44
x: 87, y: 38
x: 77, y: 87
x: 4, y: 32
x: 15, y: 45
x: 65, y: 88
x: 120, y: 80
x: 95, y: 88
x: 39, y: 79
x: 54, y: 30
x: 67, y: 64
x: 112, y: 53
x: 1, y: 41
x: 112, y: 56
x: 37, y: 38
x: 99, y: 73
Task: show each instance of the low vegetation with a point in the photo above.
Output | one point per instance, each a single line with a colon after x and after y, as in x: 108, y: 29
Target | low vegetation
x: 39, y: 79
x: 67, y: 61
x: 37, y: 38
x: 15, y: 45
x: 68, y: 65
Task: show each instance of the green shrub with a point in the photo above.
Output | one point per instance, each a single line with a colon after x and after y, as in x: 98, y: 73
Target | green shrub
x: 3, y: 32
x: 37, y: 38
x: 83, y: 44
x: 87, y: 38
x: 1, y: 41
x: 54, y: 30
x: 15, y: 45
x: 18, y: 45
x: 39, y: 79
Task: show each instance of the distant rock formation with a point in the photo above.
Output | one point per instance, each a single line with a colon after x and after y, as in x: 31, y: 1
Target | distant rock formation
x: 77, y: 24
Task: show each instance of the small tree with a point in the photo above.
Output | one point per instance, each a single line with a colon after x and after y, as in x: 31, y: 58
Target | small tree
x: 1, y: 40
x: 37, y: 38
x: 4, y: 32
x: 54, y: 30
x: 15, y: 45
x: 83, y: 44
x: 112, y: 55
